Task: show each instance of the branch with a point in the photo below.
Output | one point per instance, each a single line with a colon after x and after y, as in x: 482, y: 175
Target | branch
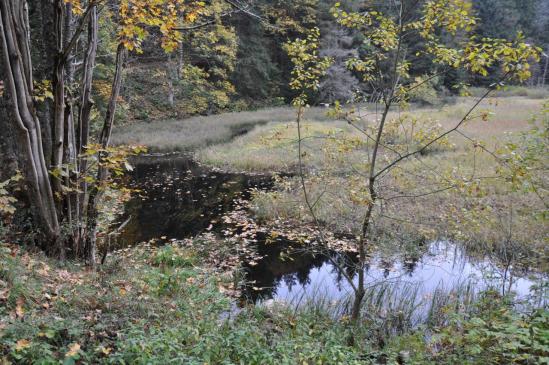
x: 78, y: 31
x: 371, y: 138
x: 243, y: 9
x: 311, y: 206
x: 413, y: 87
x: 433, y: 141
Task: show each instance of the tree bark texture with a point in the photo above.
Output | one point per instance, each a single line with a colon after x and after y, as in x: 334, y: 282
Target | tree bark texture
x: 15, y: 42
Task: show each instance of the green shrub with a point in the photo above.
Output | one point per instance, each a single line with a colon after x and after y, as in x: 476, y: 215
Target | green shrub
x: 495, y: 334
x: 173, y: 256
x: 426, y: 94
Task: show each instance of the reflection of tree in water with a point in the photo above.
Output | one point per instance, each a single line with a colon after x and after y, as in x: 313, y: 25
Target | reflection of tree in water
x: 410, y: 265
x: 281, y: 263
x: 302, y: 276
x: 294, y: 268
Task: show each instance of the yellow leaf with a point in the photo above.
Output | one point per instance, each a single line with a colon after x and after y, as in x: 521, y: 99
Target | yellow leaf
x: 73, y: 350
x: 19, y: 310
x: 22, y: 344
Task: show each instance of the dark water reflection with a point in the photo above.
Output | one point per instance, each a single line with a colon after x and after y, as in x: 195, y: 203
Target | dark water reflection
x: 443, y: 266
x: 181, y: 199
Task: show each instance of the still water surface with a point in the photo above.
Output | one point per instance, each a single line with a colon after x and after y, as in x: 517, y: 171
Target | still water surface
x: 180, y: 199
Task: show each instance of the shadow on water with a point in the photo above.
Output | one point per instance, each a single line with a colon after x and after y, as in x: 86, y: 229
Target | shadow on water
x: 181, y: 199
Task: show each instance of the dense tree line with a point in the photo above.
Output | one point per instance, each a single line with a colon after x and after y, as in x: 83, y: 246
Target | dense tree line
x: 255, y: 71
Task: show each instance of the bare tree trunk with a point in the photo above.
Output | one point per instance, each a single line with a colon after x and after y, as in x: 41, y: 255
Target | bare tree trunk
x: 8, y: 160
x: 83, y: 132
x: 71, y: 212
x: 171, y: 91
x: 364, y: 237
x: 14, y: 33
x: 87, y: 80
x: 105, y: 137
x: 59, y: 100
x: 42, y: 19
x: 102, y: 174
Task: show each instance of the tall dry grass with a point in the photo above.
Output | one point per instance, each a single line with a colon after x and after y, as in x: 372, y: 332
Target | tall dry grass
x: 272, y: 147
x: 410, y: 210
x: 202, y: 131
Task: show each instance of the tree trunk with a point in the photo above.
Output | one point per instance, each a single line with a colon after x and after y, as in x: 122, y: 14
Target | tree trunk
x: 106, y: 132
x: 544, y: 77
x: 15, y: 42
x: 171, y: 91
x: 8, y: 161
x: 102, y: 174
x: 59, y: 101
x: 71, y: 208
x: 41, y: 16
x: 87, y: 80
x: 83, y: 132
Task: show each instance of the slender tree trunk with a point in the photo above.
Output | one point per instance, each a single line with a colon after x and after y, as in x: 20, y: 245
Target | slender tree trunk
x: 71, y: 212
x: 102, y: 174
x: 83, y: 133
x: 364, y: 237
x: 15, y: 42
x: 171, y: 91
x: 70, y: 153
x: 544, y: 77
x: 105, y: 137
x: 59, y: 101
x: 87, y: 80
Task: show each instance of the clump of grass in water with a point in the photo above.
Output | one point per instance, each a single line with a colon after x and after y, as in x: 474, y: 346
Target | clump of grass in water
x: 390, y: 308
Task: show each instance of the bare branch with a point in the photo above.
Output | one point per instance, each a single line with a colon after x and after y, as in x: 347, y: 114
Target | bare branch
x: 438, y: 138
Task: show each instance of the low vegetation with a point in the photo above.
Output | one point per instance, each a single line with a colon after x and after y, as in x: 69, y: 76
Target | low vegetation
x: 156, y: 305
x: 273, y: 146
x: 201, y: 131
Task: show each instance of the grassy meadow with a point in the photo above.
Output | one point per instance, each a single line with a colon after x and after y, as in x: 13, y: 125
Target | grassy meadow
x: 453, y: 190
x: 200, y: 131
x: 273, y: 145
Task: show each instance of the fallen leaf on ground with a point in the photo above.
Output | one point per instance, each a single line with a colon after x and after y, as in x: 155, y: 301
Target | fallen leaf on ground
x: 19, y: 310
x: 73, y: 350
x: 22, y: 344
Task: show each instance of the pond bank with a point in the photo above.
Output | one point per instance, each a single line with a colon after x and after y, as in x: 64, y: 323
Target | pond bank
x: 152, y: 305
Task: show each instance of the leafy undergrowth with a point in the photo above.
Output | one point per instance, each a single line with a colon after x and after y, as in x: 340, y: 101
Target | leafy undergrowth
x: 158, y: 306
